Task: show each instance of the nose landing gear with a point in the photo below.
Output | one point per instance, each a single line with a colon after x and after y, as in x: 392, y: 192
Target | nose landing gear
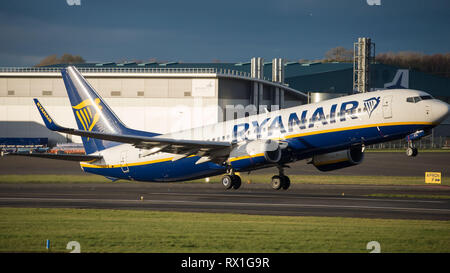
x: 411, y: 150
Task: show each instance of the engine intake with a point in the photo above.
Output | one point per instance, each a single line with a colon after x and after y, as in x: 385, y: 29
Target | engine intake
x: 255, y: 153
x: 338, y: 160
x: 270, y: 149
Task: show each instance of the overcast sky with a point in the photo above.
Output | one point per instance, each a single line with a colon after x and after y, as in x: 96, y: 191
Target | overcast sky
x: 204, y: 30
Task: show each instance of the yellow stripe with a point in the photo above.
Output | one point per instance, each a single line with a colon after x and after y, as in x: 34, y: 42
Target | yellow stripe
x: 87, y: 116
x: 84, y: 118
x: 90, y: 113
x: 245, y: 157
x: 96, y: 118
x: 129, y: 164
x: 81, y: 120
x: 353, y: 128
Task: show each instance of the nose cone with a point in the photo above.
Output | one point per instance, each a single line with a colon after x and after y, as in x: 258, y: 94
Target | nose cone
x: 441, y: 111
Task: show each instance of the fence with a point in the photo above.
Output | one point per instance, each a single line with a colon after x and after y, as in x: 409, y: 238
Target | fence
x: 427, y: 142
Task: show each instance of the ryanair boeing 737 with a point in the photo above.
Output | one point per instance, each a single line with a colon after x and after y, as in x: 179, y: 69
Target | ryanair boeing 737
x: 331, y: 134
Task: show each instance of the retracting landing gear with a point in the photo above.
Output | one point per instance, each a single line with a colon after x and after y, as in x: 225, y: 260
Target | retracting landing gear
x: 411, y: 150
x: 231, y: 180
x: 280, y: 181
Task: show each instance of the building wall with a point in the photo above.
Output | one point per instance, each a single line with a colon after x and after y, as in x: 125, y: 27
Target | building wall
x: 159, y: 105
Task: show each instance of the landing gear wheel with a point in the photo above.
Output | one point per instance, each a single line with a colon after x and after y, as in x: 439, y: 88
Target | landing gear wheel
x: 227, y: 181
x: 231, y: 181
x: 412, y: 151
x: 236, y: 182
x: 286, y: 182
x: 276, y: 182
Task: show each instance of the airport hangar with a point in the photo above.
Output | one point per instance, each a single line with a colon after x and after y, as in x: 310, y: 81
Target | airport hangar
x: 163, y: 97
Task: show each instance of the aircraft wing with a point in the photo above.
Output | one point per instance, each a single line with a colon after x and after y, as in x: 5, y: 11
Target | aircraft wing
x: 209, y: 150
x: 68, y: 157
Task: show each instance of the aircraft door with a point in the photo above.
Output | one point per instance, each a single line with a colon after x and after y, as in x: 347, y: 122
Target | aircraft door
x: 387, y: 107
x: 123, y: 162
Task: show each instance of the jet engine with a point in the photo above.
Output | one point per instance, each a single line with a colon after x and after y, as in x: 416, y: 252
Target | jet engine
x: 256, y: 152
x: 339, y: 159
x: 270, y: 149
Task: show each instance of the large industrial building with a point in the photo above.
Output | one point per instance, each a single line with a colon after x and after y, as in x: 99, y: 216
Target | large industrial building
x: 164, y: 97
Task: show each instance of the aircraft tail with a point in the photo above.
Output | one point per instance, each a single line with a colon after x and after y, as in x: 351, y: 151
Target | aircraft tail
x: 92, y: 113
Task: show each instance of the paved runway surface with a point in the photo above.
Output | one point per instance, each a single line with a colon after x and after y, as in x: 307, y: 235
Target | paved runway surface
x: 382, y: 163
x: 299, y: 200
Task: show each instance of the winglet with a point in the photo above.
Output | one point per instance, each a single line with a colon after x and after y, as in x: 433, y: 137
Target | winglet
x: 49, y: 122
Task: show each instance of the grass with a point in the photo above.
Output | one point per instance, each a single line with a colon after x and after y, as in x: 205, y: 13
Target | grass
x: 27, y: 229
x: 252, y: 178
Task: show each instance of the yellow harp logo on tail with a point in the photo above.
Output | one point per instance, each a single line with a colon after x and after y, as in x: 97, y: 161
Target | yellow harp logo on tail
x: 88, y: 113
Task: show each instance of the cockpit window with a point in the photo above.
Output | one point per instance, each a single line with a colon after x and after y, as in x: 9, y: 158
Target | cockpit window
x: 418, y: 98
x: 426, y: 97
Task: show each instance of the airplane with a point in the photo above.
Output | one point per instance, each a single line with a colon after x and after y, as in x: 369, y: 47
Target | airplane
x: 331, y: 134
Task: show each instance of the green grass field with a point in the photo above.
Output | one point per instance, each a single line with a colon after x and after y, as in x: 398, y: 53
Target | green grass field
x: 27, y: 229
x: 252, y: 178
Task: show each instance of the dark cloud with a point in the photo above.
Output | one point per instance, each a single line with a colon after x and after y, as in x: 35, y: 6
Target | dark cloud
x: 200, y: 31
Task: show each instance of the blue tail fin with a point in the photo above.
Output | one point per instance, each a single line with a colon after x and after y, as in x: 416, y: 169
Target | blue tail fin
x: 92, y: 113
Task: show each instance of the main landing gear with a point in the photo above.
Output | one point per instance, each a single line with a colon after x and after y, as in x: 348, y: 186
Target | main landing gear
x: 280, y: 181
x: 231, y: 180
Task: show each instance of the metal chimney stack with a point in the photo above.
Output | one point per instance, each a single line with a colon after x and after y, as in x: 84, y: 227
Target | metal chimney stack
x: 278, y: 70
x: 363, y: 56
x: 257, y: 67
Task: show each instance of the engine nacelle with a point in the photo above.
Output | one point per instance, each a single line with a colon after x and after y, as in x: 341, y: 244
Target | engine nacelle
x: 255, y: 152
x: 338, y: 160
x: 270, y: 149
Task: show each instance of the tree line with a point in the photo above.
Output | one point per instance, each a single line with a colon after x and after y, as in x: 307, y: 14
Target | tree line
x: 437, y: 64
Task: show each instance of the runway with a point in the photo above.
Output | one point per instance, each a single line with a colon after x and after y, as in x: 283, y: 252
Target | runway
x: 375, y: 163
x: 259, y: 199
